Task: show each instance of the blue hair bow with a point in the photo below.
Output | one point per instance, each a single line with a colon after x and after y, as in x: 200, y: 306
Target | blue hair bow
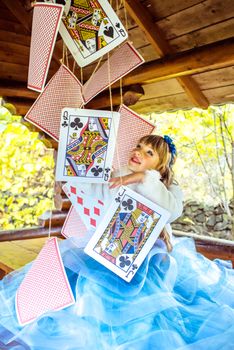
x: 172, y: 147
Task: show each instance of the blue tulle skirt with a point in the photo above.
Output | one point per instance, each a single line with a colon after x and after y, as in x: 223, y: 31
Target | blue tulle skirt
x: 176, y: 301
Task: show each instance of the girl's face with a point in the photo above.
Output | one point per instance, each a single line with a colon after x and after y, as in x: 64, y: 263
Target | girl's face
x: 143, y: 157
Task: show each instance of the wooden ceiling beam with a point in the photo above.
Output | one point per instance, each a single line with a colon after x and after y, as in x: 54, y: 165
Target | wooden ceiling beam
x: 17, y: 91
x: 145, y: 21
x: 13, y: 71
x: 22, y: 107
x: 20, y: 13
x: 208, y: 57
x: 193, y: 91
x: 25, y: 18
x: 18, y: 72
x: 14, y: 38
x: 103, y: 101
x: 202, y: 59
x: 153, y: 33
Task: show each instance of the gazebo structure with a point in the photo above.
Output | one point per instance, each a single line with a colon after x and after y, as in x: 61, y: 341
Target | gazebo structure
x: 188, y: 48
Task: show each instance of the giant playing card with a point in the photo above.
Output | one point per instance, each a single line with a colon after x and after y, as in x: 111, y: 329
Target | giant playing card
x: 91, y: 29
x: 46, y: 21
x: 90, y: 209
x: 127, y: 233
x: 63, y: 90
x: 75, y: 228
x: 86, y: 145
x: 122, y: 61
x: 137, y: 127
x: 45, y: 287
x: 73, y: 225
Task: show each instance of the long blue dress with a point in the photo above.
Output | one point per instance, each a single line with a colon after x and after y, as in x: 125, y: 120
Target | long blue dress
x: 176, y: 301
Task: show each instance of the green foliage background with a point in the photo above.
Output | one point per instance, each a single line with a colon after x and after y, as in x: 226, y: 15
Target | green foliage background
x: 27, y: 165
x: 26, y: 174
x: 201, y: 167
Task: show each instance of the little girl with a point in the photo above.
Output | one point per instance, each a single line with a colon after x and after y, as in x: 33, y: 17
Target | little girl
x: 176, y: 301
x: 149, y: 173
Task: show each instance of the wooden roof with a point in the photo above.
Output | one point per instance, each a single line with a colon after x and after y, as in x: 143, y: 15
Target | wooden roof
x: 188, y: 47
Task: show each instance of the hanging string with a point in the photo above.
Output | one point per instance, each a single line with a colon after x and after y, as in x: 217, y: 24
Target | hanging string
x: 109, y: 81
x: 81, y: 76
x: 122, y: 3
x: 53, y: 196
x: 74, y: 66
x: 63, y: 58
x: 65, y: 55
x: 121, y: 90
x: 125, y: 15
x: 94, y: 71
x: 117, y: 7
x: 117, y: 154
x: 111, y: 106
x: 50, y: 220
x: 67, y: 61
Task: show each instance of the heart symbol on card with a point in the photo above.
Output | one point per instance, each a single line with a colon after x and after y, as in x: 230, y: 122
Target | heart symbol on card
x: 109, y: 32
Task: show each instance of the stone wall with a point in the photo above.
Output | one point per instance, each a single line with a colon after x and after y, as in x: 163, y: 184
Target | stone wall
x: 205, y: 220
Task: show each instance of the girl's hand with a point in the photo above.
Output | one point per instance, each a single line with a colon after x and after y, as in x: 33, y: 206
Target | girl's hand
x: 127, y: 179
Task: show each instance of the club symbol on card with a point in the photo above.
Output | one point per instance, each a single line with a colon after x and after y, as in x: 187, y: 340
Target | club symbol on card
x: 127, y: 205
x: 109, y: 31
x: 124, y: 261
x: 76, y: 124
x: 65, y: 124
x: 97, y: 170
x: 118, y: 199
x: 117, y: 25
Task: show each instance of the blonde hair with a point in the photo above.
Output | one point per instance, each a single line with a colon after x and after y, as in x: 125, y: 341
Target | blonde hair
x: 165, y: 157
x: 164, y: 167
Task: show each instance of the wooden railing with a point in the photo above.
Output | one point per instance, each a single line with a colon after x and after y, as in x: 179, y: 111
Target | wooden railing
x: 212, y: 248
x: 209, y: 247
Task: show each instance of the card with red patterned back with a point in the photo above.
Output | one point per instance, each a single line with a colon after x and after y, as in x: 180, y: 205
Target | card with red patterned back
x: 124, y: 144
x: 73, y: 225
x: 63, y: 90
x: 121, y: 62
x: 45, y: 287
x: 45, y: 26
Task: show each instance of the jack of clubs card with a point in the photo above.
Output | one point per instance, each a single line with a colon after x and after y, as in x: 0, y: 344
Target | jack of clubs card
x: 86, y: 145
x: 127, y: 233
x: 90, y: 29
